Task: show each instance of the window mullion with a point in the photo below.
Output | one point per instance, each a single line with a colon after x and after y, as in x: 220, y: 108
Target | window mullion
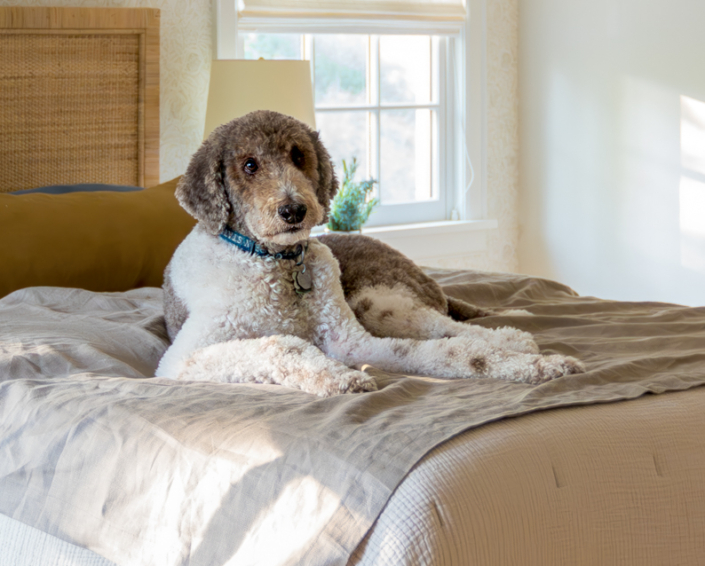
x: 309, y: 52
x: 431, y: 70
x: 374, y: 99
x: 442, y: 143
x: 431, y: 137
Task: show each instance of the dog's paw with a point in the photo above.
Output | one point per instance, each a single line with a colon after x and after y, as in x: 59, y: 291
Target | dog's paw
x: 357, y: 382
x: 335, y: 381
x: 526, y: 368
x: 555, y: 366
x: 535, y: 369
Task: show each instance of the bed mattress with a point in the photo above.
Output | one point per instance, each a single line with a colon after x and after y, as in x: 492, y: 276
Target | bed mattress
x: 21, y: 545
x: 619, y: 483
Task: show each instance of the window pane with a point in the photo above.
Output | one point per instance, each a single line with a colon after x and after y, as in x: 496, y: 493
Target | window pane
x: 405, y: 68
x: 341, y: 69
x: 272, y: 45
x: 405, y: 155
x: 345, y: 136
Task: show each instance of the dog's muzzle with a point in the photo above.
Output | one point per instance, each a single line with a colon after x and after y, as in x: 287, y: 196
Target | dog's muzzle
x: 292, y: 213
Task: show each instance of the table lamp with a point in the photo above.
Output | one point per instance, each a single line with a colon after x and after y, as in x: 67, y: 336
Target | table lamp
x: 240, y: 86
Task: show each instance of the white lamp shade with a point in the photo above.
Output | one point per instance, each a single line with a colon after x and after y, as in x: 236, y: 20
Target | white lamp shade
x: 240, y: 86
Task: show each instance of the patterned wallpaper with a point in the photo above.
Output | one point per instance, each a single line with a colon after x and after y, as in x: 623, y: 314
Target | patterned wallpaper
x: 186, y: 52
x: 503, y: 133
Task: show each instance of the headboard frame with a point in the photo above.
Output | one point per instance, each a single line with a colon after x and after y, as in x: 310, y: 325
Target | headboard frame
x: 79, y: 96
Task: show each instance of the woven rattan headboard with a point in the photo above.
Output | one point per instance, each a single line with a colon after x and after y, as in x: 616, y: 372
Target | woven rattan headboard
x: 79, y: 96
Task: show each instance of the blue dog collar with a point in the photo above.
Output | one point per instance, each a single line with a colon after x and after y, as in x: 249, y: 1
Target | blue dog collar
x: 250, y: 246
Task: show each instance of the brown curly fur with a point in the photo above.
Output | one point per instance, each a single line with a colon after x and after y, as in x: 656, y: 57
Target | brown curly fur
x: 366, y: 262
x: 217, y: 190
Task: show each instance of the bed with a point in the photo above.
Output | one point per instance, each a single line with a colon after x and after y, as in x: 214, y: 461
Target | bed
x: 102, y: 463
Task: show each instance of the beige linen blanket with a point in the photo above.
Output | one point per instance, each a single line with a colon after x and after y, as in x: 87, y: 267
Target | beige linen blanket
x: 147, y: 471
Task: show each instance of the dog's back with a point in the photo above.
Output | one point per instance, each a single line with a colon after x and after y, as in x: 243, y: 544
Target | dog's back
x: 366, y: 262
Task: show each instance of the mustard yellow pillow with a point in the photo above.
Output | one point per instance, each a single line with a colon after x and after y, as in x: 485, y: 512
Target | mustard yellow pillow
x: 100, y: 241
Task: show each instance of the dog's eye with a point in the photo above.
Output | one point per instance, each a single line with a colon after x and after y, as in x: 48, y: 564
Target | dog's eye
x: 251, y: 166
x: 297, y: 156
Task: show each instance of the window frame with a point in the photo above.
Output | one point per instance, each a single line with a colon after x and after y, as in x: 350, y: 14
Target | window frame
x: 436, y: 207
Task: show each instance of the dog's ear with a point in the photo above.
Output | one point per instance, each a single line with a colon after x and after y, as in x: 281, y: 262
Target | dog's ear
x: 327, y: 181
x: 201, y: 190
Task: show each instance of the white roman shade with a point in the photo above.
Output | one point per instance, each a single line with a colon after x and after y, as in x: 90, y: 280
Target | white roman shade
x: 351, y: 16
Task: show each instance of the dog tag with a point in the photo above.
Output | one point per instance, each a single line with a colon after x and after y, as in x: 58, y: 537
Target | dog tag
x: 302, y: 281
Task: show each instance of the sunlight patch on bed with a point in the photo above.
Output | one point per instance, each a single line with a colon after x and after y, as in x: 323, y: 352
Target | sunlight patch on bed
x: 199, y: 482
x: 300, y: 513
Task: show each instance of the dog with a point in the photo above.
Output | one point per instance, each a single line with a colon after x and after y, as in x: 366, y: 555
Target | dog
x: 250, y: 296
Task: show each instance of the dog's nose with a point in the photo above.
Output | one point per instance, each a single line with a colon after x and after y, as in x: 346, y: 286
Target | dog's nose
x: 292, y: 213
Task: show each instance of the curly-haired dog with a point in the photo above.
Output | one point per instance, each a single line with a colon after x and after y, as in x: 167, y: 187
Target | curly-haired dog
x: 249, y: 297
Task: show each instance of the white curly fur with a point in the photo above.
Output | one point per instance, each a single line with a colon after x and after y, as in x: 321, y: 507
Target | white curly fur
x: 246, y: 323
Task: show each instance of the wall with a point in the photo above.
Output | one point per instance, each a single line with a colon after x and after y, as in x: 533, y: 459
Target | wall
x: 612, y: 141
x: 184, y: 71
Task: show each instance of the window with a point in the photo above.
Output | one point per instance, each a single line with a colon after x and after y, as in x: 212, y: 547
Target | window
x: 377, y: 100
x: 390, y: 87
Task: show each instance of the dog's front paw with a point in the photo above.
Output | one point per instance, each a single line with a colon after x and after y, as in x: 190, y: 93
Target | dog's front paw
x: 555, y: 366
x: 336, y: 381
x: 528, y: 368
x: 357, y: 382
x: 534, y: 369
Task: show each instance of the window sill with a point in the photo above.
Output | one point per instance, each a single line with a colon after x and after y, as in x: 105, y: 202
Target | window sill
x: 433, y: 240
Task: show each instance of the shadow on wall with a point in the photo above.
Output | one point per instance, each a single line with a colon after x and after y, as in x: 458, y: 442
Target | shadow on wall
x: 662, y: 212
x: 612, y: 102
x: 609, y: 202
x: 662, y: 179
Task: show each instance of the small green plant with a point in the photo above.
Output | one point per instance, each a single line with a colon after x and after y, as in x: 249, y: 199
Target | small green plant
x: 352, y: 205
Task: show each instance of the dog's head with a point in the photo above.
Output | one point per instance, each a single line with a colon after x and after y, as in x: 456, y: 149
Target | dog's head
x: 265, y: 175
